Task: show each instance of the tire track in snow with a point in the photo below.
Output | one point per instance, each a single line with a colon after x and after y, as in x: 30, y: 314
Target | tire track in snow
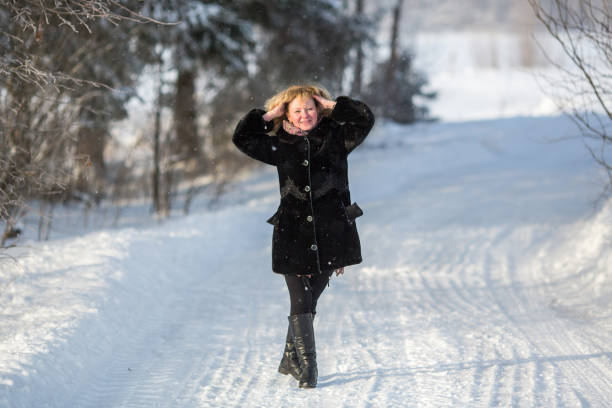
x: 548, y: 335
x: 477, y: 377
x: 480, y: 309
x: 517, y: 301
x: 143, y: 360
x: 497, y: 383
x: 252, y: 360
x: 516, y: 394
x: 363, y: 356
x: 473, y: 307
x: 477, y: 308
x: 108, y: 374
x: 437, y: 303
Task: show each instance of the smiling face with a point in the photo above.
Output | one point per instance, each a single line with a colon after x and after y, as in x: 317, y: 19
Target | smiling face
x: 302, y: 113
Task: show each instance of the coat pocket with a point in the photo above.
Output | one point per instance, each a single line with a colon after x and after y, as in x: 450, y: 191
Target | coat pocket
x: 273, y: 220
x: 351, y: 212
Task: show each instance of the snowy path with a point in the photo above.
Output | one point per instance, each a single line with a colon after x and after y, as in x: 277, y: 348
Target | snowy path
x: 486, y: 282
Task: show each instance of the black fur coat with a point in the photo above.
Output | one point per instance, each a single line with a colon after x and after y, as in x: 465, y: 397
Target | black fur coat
x: 314, y: 227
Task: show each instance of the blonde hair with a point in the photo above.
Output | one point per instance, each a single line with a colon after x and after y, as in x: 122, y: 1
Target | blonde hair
x: 285, y: 97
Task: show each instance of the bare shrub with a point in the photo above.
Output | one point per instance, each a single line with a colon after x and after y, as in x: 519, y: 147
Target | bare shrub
x: 583, y: 29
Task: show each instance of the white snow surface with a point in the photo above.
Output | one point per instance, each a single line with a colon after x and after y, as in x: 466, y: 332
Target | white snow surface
x: 485, y: 282
x: 493, y: 74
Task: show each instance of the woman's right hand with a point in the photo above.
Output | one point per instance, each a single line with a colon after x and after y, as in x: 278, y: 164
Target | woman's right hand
x: 276, y: 112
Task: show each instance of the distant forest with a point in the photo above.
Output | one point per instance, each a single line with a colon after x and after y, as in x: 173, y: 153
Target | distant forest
x: 69, y: 69
x: 447, y: 15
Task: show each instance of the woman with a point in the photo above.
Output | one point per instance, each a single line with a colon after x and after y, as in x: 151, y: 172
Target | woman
x: 308, y: 137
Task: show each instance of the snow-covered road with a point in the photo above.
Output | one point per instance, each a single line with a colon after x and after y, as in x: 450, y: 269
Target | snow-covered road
x: 486, y: 282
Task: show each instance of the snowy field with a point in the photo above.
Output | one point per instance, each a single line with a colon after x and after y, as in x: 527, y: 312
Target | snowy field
x: 490, y: 74
x: 486, y: 282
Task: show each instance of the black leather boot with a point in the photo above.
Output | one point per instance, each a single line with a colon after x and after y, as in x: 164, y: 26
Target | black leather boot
x: 290, y: 364
x: 303, y: 338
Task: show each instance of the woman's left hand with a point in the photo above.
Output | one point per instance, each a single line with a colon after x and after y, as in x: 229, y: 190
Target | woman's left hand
x: 339, y: 271
x: 326, y: 103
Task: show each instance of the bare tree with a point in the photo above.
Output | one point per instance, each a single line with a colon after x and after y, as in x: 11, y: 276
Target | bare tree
x: 358, y: 75
x: 48, y: 94
x: 35, y: 141
x: 34, y: 16
x: 393, y: 46
x: 583, y: 29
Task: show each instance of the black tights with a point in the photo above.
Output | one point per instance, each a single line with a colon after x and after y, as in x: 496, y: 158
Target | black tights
x: 304, y: 291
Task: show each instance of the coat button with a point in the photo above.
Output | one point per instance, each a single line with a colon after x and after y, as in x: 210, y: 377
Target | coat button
x: 307, y: 188
x: 309, y: 218
x: 313, y: 247
x: 305, y: 163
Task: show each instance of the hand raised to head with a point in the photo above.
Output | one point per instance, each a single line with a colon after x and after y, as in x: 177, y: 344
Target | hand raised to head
x: 276, y: 112
x: 326, y: 103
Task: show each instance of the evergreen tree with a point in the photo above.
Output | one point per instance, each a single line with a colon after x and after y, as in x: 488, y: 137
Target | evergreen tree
x: 306, y: 42
x: 393, y: 93
x: 394, y: 84
x: 211, y: 37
